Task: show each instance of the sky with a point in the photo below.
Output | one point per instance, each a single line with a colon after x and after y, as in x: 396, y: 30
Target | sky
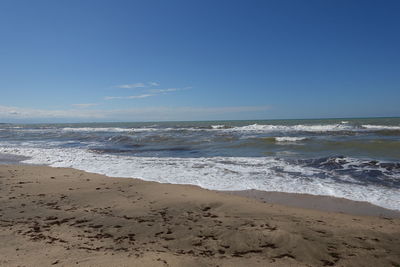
x: 94, y: 60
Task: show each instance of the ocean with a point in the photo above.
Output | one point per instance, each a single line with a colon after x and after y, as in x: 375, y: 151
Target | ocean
x: 357, y: 159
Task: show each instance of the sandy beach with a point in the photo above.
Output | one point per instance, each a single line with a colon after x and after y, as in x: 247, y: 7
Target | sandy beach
x: 65, y: 217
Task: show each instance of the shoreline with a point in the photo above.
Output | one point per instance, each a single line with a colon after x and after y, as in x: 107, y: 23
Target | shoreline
x: 74, y: 217
x: 295, y: 200
x: 318, y: 203
x: 217, y: 173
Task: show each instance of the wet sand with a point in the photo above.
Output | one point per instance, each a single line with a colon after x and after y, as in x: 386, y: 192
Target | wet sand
x: 321, y: 203
x: 65, y: 217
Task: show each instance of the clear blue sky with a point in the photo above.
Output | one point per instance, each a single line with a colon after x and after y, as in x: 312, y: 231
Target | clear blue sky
x: 82, y: 60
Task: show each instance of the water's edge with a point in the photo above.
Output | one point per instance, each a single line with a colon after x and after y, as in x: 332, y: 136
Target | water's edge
x: 318, y: 202
x: 296, y: 200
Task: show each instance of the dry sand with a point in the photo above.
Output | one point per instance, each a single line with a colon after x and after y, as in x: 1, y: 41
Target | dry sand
x: 65, y: 217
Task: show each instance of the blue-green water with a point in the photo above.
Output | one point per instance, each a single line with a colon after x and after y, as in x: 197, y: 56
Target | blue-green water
x: 353, y: 158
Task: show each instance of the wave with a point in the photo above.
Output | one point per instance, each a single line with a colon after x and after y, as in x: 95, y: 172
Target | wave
x: 130, y: 130
x: 380, y: 127
x: 296, y: 128
x: 361, y: 171
x: 96, y: 129
x: 289, y: 139
x: 340, y: 127
x: 230, y: 173
x: 344, y: 126
x: 221, y: 126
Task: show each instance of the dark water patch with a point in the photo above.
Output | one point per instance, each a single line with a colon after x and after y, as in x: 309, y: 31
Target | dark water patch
x: 341, y: 133
x: 383, y: 149
x: 247, y: 144
x: 160, y: 138
x: 388, y: 132
x: 138, y: 149
x: 373, y: 145
x: 121, y: 140
x: 339, y: 162
x: 166, y: 149
x: 71, y: 144
x: 11, y: 159
x: 269, y: 140
x: 329, y: 163
x: 110, y: 150
x: 225, y: 137
x: 363, y: 172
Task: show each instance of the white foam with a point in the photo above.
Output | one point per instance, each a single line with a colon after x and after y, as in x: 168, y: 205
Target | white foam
x: 219, y: 173
x: 289, y: 139
x: 380, y: 127
x: 288, y: 128
x: 38, y: 130
x: 218, y: 126
x: 96, y: 129
x: 132, y: 130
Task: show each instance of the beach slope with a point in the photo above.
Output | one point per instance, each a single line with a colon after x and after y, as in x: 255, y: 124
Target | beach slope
x: 65, y: 217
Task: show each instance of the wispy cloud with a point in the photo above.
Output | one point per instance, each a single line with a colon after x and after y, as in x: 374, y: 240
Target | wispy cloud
x: 128, y: 97
x: 168, y: 90
x: 131, y: 86
x: 137, y: 85
x: 164, y: 90
x: 85, y: 105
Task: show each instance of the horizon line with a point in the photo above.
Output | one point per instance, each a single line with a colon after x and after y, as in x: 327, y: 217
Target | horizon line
x: 275, y: 119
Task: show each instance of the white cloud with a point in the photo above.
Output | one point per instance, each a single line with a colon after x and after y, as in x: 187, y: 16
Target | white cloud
x: 130, y: 86
x: 127, y: 97
x: 153, y: 92
x: 84, y: 105
x: 148, y: 86
x: 139, y: 96
x: 168, y: 90
x: 137, y: 85
x: 164, y: 90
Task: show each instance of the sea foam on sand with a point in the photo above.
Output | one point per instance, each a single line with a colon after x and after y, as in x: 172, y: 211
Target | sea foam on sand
x: 217, y: 173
